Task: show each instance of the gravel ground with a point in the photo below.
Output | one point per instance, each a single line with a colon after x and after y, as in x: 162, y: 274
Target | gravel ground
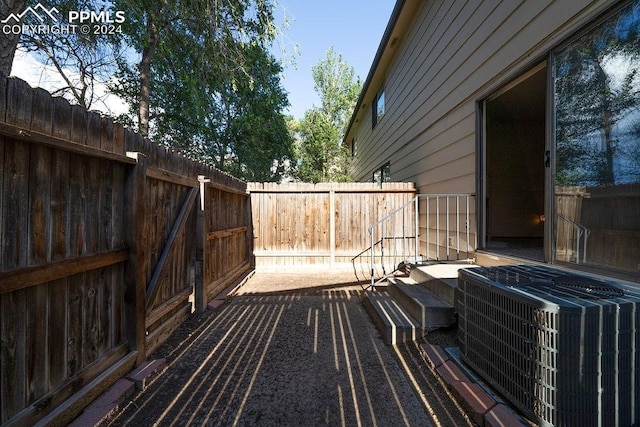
x: 291, y: 349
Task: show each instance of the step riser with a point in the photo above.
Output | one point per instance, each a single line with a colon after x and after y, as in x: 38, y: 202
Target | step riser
x: 394, y: 325
x: 442, y: 288
x: 416, y: 310
x: 429, y: 316
x: 444, y: 285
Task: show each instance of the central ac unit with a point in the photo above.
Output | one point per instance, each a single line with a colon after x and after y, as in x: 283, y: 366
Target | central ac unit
x: 562, y: 347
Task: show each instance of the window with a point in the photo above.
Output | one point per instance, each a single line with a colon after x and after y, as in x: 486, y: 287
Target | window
x: 378, y: 107
x: 383, y: 174
x: 597, y: 145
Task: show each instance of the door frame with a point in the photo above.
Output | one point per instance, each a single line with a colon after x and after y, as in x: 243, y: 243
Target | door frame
x: 548, y: 161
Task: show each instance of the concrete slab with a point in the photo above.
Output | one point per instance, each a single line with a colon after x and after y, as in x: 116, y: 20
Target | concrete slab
x: 502, y: 415
x: 444, y: 271
x: 429, y: 310
x: 434, y: 354
x: 450, y: 373
x: 441, y: 279
x: 475, y: 400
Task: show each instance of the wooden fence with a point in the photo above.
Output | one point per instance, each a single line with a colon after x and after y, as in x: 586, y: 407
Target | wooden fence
x: 321, y: 225
x: 611, y: 214
x: 100, y: 231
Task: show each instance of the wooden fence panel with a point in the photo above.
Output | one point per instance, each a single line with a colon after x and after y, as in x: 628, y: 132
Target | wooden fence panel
x: 57, y: 319
x: 96, y: 250
x: 226, y: 239
x: 171, y: 238
x: 323, y: 224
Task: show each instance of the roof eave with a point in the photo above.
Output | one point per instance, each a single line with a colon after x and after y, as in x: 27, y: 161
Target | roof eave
x: 396, y: 28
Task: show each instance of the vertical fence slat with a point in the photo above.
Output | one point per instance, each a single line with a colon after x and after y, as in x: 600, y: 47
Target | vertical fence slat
x: 16, y: 179
x: 12, y: 363
x: 37, y: 339
x: 59, y: 245
x: 200, y: 283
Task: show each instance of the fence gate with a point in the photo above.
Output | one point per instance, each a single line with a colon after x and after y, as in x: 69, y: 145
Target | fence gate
x: 226, y: 242
x: 171, y: 243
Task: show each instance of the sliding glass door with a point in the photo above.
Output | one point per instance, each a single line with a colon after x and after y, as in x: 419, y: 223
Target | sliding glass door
x: 596, y: 85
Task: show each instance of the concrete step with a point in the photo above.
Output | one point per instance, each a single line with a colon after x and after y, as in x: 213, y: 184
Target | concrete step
x: 440, y: 279
x: 394, y: 323
x: 487, y: 259
x: 424, y: 306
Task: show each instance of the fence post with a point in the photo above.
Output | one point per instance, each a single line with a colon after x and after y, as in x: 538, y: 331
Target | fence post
x: 332, y: 228
x: 136, y: 233
x: 249, y: 236
x: 200, y: 287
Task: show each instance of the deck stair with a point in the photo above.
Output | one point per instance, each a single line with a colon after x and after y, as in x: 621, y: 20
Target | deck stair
x: 410, y: 306
x: 395, y: 324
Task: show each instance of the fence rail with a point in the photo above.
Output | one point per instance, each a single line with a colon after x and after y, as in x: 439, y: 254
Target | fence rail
x: 100, y: 230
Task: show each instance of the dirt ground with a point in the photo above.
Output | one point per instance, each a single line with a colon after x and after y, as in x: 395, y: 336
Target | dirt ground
x: 291, y: 349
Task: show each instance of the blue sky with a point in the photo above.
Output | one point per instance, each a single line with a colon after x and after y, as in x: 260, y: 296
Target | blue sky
x: 353, y: 27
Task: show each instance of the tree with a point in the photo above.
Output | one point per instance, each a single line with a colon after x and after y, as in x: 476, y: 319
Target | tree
x: 263, y: 143
x: 211, y: 33
x: 206, y: 84
x: 320, y: 154
x: 9, y: 42
x: 203, y: 82
x: 237, y: 127
x: 82, y: 60
x: 219, y: 102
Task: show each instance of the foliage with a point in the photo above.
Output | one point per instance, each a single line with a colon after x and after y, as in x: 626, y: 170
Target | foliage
x: 597, y: 92
x: 205, y: 83
x: 320, y: 154
x: 197, y: 76
x: 238, y: 127
x: 205, y: 37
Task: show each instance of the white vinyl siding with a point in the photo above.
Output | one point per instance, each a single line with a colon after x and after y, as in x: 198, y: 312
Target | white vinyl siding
x: 454, y: 54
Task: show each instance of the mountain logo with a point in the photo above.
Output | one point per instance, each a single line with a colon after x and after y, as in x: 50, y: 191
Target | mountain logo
x: 39, y: 11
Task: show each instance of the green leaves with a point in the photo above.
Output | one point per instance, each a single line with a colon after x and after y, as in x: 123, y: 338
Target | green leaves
x: 319, y: 151
x: 213, y: 89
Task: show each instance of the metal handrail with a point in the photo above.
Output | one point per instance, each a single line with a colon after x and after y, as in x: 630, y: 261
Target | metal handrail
x: 581, y: 232
x: 372, y: 271
x: 353, y: 260
x: 410, y: 232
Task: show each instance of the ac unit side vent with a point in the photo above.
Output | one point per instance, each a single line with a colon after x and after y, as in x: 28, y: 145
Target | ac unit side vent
x: 561, y: 347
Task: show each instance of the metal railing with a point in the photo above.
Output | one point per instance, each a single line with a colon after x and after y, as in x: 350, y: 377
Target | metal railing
x: 381, y: 267
x: 395, y: 239
x: 573, y: 240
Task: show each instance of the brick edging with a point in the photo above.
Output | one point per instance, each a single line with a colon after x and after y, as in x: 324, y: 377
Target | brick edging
x: 481, y: 407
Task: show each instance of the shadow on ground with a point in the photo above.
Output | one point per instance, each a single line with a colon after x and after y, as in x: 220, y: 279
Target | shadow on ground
x: 290, y: 351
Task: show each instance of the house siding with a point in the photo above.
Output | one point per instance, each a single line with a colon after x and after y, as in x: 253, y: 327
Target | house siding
x: 453, y: 55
